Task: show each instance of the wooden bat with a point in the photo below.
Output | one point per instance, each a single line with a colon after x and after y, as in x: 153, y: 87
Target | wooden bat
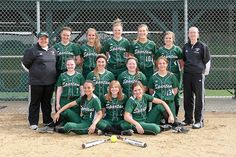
x: 94, y: 143
x: 133, y: 142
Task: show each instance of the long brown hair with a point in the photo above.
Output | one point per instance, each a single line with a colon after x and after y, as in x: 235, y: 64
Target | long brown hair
x: 120, y: 93
x: 97, y: 43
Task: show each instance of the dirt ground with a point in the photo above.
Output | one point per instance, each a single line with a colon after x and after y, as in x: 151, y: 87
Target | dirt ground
x: 216, y: 139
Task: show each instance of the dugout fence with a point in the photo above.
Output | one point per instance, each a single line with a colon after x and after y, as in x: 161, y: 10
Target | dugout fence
x: 20, y: 20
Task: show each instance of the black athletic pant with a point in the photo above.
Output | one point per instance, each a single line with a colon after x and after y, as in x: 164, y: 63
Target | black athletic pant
x: 40, y: 95
x: 194, y: 85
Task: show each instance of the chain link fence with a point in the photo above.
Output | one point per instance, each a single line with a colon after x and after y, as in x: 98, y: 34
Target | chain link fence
x: 215, y: 19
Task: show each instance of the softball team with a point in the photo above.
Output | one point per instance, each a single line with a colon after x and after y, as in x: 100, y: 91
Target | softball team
x: 114, y: 100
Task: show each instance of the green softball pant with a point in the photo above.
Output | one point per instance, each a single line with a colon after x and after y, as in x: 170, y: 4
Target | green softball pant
x: 158, y: 112
x: 71, y: 115
x: 104, y: 123
x: 78, y: 128
x: 149, y: 128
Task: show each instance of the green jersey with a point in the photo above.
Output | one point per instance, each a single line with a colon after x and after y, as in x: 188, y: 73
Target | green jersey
x: 126, y: 80
x: 101, y: 82
x: 144, y: 52
x: 89, y: 54
x: 138, y: 108
x: 65, y: 52
x: 172, y: 55
x: 163, y: 86
x: 89, y: 107
x: 70, y: 84
x: 114, y: 108
x: 116, y: 51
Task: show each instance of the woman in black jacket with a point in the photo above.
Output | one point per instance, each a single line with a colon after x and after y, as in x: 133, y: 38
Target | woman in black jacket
x: 40, y: 60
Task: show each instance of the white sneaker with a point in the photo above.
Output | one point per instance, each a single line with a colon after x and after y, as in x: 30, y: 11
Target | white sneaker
x: 33, y: 127
x: 198, y: 125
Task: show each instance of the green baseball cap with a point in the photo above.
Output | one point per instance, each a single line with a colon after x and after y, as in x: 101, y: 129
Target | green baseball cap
x: 43, y: 34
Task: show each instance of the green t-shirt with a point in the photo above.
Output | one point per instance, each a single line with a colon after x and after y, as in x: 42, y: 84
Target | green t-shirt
x: 173, y: 55
x: 70, y: 84
x: 101, y: 83
x: 138, y: 108
x: 116, y: 51
x: 126, y: 80
x: 144, y: 52
x: 163, y: 86
x: 65, y: 52
x: 89, y: 54
x: 114, y: 108
x: 89, y: 107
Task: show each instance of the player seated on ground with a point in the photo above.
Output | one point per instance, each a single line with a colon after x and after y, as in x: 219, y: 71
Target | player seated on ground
x: 83, y: 122
x: 113, y: 104
x: 136, y: 112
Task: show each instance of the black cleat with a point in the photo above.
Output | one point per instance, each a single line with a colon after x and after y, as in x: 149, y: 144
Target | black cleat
x: 129, y: 132
x: 180, y: 129
x: 165, y: 127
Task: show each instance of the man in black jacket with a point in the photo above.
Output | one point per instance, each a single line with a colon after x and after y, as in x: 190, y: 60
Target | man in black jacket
x: 40, y: 60
x: 196, y: 61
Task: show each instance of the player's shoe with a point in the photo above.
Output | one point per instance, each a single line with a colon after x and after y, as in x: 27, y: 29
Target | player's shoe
x: 198, y: 125
x: 33, y: 127
x: 165, y: 127
x: 46, y: 129
x: 186, y: 123
x: 59, y: 129
x: 129, y: 132
x: 100, y: 132
x: 180, y: 129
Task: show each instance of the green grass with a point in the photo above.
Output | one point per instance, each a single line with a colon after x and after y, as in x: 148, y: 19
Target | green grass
x: 218, y: 93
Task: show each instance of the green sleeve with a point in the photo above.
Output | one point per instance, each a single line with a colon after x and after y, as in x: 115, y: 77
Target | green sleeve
x: 82, y: 79
x: 157, y: 54
x: 97, y: 104
x: 76, y: 49
x: 105, y: 47
x: 149, y: 98
x: 129, y: 107
x: 78, y: 101
x: 143, y: 79
x: 59, y: 81
x: 151, y: 83
x: 90, y: 76
x: 131, y: 48
x: 103, y: 102
x: 175, y: 81
x: 179, y: 52
x: 120, y: 78
x: 127, y: 45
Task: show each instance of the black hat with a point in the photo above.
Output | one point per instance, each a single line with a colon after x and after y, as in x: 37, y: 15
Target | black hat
x: 43, y: 34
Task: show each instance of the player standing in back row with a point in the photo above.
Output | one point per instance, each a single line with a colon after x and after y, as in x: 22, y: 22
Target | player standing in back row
x: 65, y: 50
x: 116, y: 50
x: 144, y: 50
x: 89, y: 51
x: 174, y: 56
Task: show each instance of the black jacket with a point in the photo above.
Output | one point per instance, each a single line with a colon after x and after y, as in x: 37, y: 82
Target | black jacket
x: 195, y: 57
x: 41, y: 65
